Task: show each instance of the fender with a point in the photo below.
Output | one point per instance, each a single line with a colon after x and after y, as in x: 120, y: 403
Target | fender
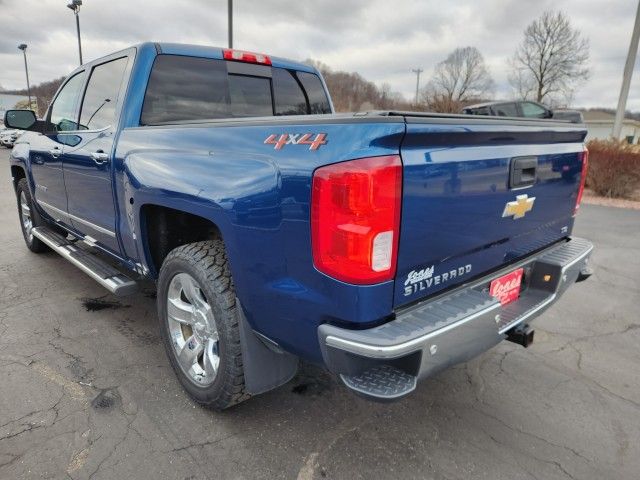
x: 232, y: 192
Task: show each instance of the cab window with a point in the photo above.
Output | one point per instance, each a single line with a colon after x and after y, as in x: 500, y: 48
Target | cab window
x: 101, y: 97
x: 64, y: 110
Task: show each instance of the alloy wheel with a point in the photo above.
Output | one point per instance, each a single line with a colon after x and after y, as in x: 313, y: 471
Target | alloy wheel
x: 192, y: 330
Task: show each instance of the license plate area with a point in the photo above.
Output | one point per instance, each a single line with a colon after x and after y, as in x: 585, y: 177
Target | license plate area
x: 507, y: 287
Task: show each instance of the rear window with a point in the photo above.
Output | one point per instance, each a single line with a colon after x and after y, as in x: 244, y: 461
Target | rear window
x: 249, y: 96
x: 290, y: 99
x: 318, y: 101
x: 184, y: 88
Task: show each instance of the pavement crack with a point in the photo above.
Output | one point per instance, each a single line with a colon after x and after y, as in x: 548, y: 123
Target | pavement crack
x: 31, y: 425
x: 204, y: 444
x: 311, y: 464
x: 528, y: 453
x: 616, y: 395
x: 530, y: 434
x: 12, y: 461
x: 112, y: 450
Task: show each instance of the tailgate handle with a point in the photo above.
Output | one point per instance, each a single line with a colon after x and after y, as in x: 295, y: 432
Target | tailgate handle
x: 523, y: 172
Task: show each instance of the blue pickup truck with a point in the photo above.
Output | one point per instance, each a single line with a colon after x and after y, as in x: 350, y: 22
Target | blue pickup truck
x: 385, y: 246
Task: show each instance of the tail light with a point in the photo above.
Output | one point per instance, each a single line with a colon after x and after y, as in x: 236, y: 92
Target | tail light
x: 355, y: 219
x: 583, y: 179
x: 247, y: 57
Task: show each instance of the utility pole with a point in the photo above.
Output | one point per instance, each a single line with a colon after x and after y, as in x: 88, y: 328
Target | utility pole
x: 230, y: 29
x: 74, y: 5
x: 23, y: 47
x: 626, y: 77
x: 417, y: 71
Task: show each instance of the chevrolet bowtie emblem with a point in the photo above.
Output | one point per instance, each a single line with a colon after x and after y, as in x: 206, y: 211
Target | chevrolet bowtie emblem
x: 519, y: 207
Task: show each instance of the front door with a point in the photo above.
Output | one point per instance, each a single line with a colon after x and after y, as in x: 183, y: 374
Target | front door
x: 88, y: 162
x: 45, y: 151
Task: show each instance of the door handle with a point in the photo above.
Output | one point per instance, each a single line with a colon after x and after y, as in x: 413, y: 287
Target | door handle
x: 100, y: 157
x: 523, y: 172
x: 55, y: 152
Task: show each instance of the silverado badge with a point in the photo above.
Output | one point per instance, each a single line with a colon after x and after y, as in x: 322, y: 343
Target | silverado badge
x: 519, y: 207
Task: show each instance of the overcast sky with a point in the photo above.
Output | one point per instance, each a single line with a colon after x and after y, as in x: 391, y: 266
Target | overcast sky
x: 381, y: 39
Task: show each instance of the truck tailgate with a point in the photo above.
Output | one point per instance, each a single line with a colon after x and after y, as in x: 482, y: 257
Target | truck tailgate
x: 462, y: 212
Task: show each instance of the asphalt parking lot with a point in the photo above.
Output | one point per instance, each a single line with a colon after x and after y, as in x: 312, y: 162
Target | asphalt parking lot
x: 87, y: 392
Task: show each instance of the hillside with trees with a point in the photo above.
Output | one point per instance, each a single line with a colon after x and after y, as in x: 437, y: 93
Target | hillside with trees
x: 43, y: 93
x: 351, y: 92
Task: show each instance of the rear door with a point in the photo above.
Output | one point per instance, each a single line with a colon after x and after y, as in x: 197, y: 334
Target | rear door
x: 87, y: 159
x: 480, y: 194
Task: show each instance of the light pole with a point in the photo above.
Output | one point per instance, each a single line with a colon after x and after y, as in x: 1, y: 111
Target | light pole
x: 417, y: 71
x: 74, y: 5
x: 23, y: 47
x: 626, y: 77
x: 230, y: 30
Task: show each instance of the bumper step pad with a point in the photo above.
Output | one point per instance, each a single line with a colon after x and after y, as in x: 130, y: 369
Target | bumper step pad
x: 382, y: 382
x: 109, y: 277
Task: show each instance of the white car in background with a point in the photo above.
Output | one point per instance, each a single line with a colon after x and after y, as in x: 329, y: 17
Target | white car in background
x: 8, y: 137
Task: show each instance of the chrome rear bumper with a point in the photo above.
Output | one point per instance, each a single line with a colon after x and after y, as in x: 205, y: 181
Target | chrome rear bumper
x: 455, y: 327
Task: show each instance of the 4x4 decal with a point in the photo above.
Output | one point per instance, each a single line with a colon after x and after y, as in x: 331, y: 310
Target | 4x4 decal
x: 279, y: 141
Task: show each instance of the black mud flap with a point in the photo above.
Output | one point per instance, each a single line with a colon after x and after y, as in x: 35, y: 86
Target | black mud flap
x: 265, y: 366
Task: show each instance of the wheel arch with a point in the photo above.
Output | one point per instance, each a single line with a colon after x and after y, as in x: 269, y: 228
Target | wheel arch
x: 164, y: 228
x: 17, y: 173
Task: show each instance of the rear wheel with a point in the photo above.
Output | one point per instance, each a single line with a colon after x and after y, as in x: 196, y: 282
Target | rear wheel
x: 199, y: 323
x: 29, y: 217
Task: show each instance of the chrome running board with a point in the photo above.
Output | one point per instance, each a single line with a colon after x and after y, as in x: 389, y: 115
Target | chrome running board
x: 103, y: 273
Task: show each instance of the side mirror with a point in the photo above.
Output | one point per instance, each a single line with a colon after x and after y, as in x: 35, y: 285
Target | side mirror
x: 20, y: 119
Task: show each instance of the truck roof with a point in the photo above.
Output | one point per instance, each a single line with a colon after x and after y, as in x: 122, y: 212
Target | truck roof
x: 207, y: 51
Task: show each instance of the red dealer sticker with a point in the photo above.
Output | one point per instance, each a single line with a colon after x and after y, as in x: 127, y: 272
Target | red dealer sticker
x: 507, y: 287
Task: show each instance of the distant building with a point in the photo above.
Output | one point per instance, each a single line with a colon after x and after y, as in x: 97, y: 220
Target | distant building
x: 600, y: 125
x: 9, y: 101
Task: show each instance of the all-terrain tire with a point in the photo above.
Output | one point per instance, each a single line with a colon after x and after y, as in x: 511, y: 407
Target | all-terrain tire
x: 24, y: 196
x: 206, y: 262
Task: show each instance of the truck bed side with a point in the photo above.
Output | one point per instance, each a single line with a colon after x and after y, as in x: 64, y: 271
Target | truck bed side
x: 258, y: 197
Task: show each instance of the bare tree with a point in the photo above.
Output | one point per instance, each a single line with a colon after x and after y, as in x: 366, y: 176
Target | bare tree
x: 551, y: 60
x: 461, y: 77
